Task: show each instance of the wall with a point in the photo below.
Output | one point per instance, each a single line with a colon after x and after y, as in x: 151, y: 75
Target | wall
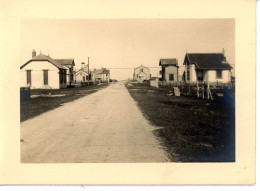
x: 37, y: 68
x: 154, y: 83
x: 79, y: 77
x: 171, y: 70
x: 138, y: 71
x: 193, y: 75
x: 211, y: 76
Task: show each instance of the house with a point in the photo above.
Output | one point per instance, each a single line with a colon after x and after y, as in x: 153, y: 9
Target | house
x: 169, y: 70
x: 141, y: 73
x: 100, y: 75
x: 207, y: 67
x: 83, y: 73
x: 69, y: 64
x: 43, y: 72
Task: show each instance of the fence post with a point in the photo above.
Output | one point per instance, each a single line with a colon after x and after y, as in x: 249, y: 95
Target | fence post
x: 198, y: 91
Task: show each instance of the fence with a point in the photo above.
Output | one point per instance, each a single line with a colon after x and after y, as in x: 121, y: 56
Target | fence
x: 24, y: 93
x: 224, y: 92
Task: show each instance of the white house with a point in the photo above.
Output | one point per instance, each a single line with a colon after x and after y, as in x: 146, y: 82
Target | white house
x: 83, y: 73
x: 169, y: 70
x: 100, y: 75
x: 207, y: 67
x: 141, y: 73
x: 43, y: 72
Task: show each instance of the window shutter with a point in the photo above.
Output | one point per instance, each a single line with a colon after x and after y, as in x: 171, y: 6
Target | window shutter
x: 45, y: 77
x: 29, y: 77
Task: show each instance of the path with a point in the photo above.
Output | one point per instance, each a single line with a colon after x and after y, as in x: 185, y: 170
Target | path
x: 106, y: 126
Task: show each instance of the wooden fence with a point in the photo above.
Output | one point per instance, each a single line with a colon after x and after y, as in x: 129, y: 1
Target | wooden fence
x: 214, y: 90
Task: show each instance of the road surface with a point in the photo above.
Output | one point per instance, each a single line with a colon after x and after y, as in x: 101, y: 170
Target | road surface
x: 106, y: 126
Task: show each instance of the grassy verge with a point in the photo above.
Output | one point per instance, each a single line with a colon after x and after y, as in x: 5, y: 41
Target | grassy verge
x: 193, y: 129
x: 45, y: 100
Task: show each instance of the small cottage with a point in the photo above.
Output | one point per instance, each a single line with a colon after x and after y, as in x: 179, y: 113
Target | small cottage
x: 141, y: 73
x: 207, y: 67
x: 43, y: 72
x: 83, y: 73
x: 169, y: 70
x: 100, y: 75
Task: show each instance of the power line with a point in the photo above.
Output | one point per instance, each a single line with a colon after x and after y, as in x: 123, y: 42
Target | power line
x: 131, y: 68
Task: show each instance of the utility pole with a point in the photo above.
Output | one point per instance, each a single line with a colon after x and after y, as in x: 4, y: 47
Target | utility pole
x: 88, y: 71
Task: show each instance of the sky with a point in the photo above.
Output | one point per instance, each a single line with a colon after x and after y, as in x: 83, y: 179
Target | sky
x: 126, y: 43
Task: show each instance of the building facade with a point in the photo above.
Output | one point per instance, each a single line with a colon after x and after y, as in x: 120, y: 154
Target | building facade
x: 100, y: 75
x: 169, y: 70
x: 141, y: 74
x: 43, y: 72
x: 83, y: 74
x: 207, y: 67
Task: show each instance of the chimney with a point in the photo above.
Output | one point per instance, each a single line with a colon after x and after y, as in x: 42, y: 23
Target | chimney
x: 224, y: 57
x: 33, y: 53
x: 82, y: 65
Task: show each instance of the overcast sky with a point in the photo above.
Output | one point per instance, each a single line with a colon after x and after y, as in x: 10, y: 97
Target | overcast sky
x: 126, y: 43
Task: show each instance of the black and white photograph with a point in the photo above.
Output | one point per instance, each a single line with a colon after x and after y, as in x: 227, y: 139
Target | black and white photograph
x: 127, y: 90
x: 137, y: 93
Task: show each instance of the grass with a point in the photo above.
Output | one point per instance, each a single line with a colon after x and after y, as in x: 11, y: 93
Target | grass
x: 192, y: 129
x: 52, y: 98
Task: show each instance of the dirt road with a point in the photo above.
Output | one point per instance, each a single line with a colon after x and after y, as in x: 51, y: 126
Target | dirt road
x: 106, y: 126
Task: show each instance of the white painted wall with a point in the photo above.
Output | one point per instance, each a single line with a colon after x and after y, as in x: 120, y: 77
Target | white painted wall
x: 211, y: 76
x: 37, y: 68
x: 138, y: 71
x: 171, y: 70
x: 79, y: 77
x: 193, y: 75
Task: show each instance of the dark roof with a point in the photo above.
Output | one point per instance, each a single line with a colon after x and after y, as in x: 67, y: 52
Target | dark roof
x: 67, y: 62
x: 168, y: 62
x: 208, y: 61
x: 42, y: 57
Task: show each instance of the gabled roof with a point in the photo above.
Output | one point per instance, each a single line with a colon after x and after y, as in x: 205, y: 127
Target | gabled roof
x: 168, y: 62
x: 42, y: 57
x: 142, y: 67
x: 142, y: 73
x: 85, y: 70
x: 208, y: 60
x: 67, y: 62
x: 101, y: 71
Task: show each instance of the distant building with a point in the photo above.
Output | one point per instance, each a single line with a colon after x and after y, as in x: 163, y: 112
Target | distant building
x: 207, y: 67
x: 100, y: 75
x: 141, y: 73
x: 82, y: 74
x: 169, y: 70
x: 44, y: 72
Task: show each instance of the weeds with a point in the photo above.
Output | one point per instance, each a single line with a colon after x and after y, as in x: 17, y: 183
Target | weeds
x: 195, y: 129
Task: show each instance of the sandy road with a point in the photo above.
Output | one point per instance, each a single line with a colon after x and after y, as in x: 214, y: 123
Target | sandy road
x: 106, y: 126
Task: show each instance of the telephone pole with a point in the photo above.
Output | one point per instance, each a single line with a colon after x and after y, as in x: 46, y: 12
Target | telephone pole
x: 88, y: 71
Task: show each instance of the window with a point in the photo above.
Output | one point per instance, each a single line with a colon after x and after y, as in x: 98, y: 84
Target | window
x: 45, y: 77
x: 219, y: 74
x: 188, y: 75
x: 29, y: 77
x: 171, y: 77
